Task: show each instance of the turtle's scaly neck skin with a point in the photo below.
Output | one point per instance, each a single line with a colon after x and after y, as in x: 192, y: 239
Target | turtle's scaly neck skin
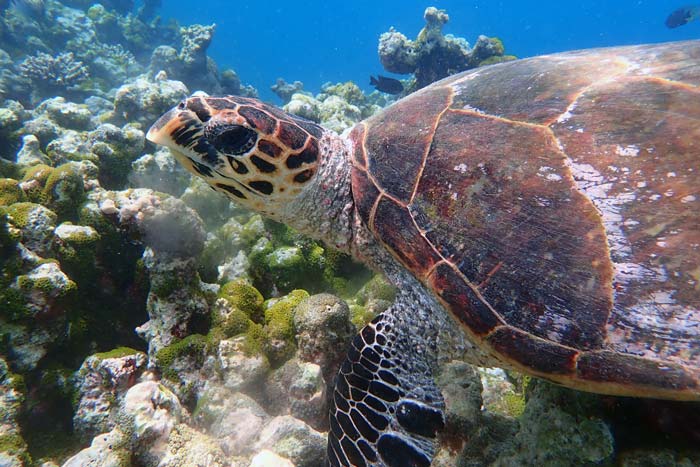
x: 324, y: 210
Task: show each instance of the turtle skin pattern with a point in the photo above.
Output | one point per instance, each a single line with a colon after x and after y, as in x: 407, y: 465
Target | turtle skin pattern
x: 552, y: 206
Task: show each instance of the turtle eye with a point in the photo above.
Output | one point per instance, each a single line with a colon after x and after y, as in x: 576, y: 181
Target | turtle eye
x: 231, y: 139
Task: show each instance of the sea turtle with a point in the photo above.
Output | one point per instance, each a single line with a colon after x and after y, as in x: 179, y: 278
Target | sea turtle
x: 551, y: 206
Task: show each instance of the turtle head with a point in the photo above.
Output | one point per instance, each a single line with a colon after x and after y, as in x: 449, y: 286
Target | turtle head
x: 256, y: 154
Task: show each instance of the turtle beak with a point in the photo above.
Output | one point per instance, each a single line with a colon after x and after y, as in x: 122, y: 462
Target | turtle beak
x: 162, y: 130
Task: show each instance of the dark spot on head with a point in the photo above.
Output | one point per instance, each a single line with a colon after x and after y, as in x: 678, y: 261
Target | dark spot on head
x: 303, y: 177
x: 262, y: 186
x: 231, y: 190
x: 230, y: 138
x: 197, y: 106
x: 201, y: 169
x: 181, y: 105
x: 258, y: 119
x: 307, y: 156
x: 269, y: 148
x: 291, y: 135
x: 237, y: 166
x: 184, y: 133
x: 262, y: 164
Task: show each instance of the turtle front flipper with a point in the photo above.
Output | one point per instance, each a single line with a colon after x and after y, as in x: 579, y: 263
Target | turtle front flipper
x: 387, y: 410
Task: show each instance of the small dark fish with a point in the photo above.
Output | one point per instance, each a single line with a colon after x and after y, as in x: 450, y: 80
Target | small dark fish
x: 683, y: 15
x: 385, y: 84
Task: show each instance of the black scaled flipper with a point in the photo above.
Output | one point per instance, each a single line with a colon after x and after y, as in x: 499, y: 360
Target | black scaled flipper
x: 387, y: 410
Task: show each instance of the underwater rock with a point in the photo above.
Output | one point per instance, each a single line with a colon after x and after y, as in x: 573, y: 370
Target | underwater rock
x: 433, y: 56
x: 560, y: 423
x: 461, y: 388
x: 500, y: 394
x: 241, y: 369
x: 70, y: 145
x: 298, y: 389
x: 66, y: 114
x: 188, y: 447
x: 43, y: 288
x: 234, y: 268
x: 285, y: 90
x: 35, y: 223
x: 232, y: 418
x: 659, y: 458
x: 102, y: 382
x: 106, y: 450
x: 195, y: 41
x: 37, y: 314
x: 294, y: 440
x: 159, y: 221
x: 269, y: 459
x: 115, y: 149
x: 30, y: 153
x: 191, y: 64
x: 176, y: 300
x: 151, y: 412
x: 12, y: 115
x: 13, y: 451
x: 10, y: 192
x: 143, y: 101
x: 159, y: 171
x: 323, y: 331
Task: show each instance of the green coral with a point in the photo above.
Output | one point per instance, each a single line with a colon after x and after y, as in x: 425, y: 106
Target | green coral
x: 348, y: 91
x: 279, y: 325
x: 360, y: 316
x: 14, y: 445
x: 10, y: 192
x: 77, y: 251
x: 497, y: 59
x: 19, y: 212
x: 13, y: 305
x: 244, y: 297
x: 193, y: 346
x: 35, y: 178
x: 378, y: 288
x: 119, y: 352
x: 256, y: 340
x: 64, y: 191
x: 279, y: 316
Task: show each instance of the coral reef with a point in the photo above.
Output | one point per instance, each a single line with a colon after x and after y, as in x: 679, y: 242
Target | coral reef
x: 146, y: 320
x: 285, y: 90
x: 432, y: 55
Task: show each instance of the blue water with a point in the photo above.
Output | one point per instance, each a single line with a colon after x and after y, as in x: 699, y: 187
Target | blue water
x: 318, y: 41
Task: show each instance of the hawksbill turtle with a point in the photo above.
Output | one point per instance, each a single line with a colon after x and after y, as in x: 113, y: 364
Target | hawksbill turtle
x: 550, y: 206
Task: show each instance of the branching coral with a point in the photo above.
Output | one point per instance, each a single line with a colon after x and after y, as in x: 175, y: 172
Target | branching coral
x: 62, y: 71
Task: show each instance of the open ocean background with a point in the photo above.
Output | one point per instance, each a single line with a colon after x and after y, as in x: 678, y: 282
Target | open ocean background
x: 318, y: 41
